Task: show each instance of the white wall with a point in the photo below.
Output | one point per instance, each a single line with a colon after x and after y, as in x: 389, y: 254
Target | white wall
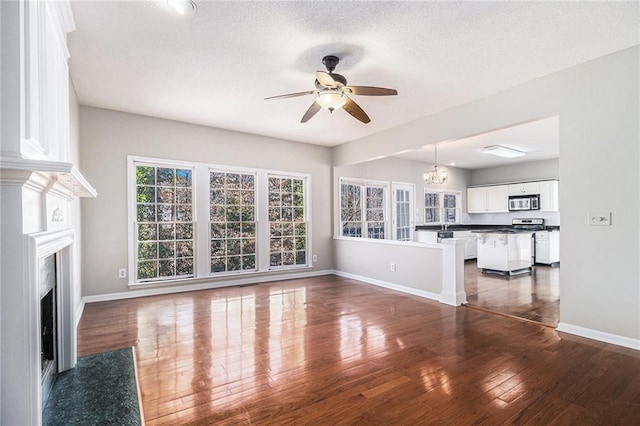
x: 75, y: 218
x: 598, y: 105
x: 108, y: 137
x: 533, y: 170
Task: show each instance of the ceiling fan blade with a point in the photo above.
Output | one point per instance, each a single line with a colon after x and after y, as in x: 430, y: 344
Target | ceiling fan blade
x: 354, y: 109
x: 325, y: 79
x: 370, y: 91
x: 292, y: 95
x: 313, y: 109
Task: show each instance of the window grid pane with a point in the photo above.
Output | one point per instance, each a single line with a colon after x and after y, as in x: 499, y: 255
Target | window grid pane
x: 360, y: 214
x: 403, y: 215
x: 164, y: 223
x: 232, y: 221
x: 287, y: 222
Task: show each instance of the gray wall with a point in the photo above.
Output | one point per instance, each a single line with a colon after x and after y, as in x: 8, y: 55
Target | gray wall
x: 598, y: 105
x: 534, y: 170
x: 109, y: 136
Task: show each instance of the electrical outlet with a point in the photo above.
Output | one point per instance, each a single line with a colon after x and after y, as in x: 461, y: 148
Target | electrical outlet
x: 393, y: 267
x: 315, y: 257
x: 122, y: 273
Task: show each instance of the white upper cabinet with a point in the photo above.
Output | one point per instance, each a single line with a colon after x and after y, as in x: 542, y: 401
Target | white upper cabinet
x: 524, y: 188
x: 488, y: 199
x: 549, y: 196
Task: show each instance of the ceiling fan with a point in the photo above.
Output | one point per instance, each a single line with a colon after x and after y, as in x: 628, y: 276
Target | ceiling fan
x: 332, y: 91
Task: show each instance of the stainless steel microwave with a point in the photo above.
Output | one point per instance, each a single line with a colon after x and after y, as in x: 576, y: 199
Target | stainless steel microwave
x: 524, y: 202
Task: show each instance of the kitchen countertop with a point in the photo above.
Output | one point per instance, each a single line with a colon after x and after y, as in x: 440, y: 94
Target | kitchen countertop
x: 506, y: 231
x: 483, y: 227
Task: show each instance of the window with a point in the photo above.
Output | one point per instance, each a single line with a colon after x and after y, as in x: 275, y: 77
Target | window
x: 233, y: 221
x: 251, y: 220
x: 164, y: 242
x: 363, y: 207
x: 287, y: 222
x: 441, y: 206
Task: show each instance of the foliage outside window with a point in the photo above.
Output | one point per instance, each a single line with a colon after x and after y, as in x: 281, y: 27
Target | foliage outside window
x: 441, y: 207
x: 287, y: 222
x: 362, y: 209
x: 164, y: 222
x: 232, y: 214
x: 252, y: 220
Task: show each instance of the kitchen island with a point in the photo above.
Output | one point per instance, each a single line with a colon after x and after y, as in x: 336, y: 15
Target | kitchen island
x: 505, y: 251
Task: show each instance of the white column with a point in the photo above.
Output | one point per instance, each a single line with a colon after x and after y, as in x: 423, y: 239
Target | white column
x: 453, y: 272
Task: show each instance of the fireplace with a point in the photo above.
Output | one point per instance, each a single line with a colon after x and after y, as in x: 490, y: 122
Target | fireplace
x: 48, y: 324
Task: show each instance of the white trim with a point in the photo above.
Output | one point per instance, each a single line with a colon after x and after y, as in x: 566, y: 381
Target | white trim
x: 601, y: 336
x: 79, y: 312
x: 203, y: 286
x: 391, y: 242
x: 390, y: 286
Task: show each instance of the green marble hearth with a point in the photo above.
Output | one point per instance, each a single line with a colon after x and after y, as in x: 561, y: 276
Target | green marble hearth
x: 101, y: 390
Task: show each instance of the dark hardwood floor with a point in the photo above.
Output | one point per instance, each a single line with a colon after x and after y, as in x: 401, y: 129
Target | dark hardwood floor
x: 329, y: 350
x: 534, y: 297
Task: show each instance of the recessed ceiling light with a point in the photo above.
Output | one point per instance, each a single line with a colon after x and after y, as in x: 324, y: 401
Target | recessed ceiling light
x: 502, y: 151
x: 183, y: 7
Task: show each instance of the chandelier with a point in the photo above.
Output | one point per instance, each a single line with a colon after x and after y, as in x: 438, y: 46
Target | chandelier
x: 435, y: 177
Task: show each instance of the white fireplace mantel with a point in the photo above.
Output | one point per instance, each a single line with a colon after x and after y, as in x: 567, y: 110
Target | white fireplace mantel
x: 38, y: 172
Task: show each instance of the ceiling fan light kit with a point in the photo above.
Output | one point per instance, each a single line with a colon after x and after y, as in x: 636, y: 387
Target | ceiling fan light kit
x: 332, y: 90
x: 331, y: 99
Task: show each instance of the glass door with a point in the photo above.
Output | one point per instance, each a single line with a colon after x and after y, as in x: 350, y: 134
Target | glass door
x: 403, y: 211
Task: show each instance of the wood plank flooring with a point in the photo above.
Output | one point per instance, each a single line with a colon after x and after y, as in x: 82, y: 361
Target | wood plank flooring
x: 533, y: 297
x: 329, y: 350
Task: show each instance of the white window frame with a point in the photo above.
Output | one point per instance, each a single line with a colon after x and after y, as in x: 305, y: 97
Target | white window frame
x: 364, y: 184
x: 201, y: 218
x: 441, y: 207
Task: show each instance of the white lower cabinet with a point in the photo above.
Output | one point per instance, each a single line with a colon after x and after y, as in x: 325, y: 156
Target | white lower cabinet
x: 547, y: 247
x: 470, y: 243
x: 426, y: 236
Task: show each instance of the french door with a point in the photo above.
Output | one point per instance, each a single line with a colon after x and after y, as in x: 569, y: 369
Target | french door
x: 402, y: 216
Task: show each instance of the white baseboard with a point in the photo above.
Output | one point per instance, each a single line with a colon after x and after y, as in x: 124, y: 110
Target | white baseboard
x: 390, y: 286
x: 601, y: 336
x: 79, y: 311
x: 247, y: 280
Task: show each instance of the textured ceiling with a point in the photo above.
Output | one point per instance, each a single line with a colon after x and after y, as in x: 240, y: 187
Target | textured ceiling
x: 215, y: 67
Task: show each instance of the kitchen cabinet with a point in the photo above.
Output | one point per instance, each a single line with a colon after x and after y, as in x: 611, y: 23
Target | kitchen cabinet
x: 547, y: 247
x: 427, y: 236
x: 524, y: 188
x: 506, y: 253
x: 488, y: 199
x: 549, y: 199
x: 470, y: 243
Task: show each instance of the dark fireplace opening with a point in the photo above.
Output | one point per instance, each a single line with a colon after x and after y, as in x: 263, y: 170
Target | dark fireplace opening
x: 48, y: 325
x: 48, y: 329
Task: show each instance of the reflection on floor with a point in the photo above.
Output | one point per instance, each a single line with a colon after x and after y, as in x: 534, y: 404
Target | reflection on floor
x: 534, y: 297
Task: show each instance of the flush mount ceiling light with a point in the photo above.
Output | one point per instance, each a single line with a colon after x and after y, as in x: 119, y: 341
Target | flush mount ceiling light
x: 435, y: 177
x: 183, y: 7
x: 502, y: 151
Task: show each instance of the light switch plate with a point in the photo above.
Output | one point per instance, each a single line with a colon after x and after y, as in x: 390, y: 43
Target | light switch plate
x: 599, y: 219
